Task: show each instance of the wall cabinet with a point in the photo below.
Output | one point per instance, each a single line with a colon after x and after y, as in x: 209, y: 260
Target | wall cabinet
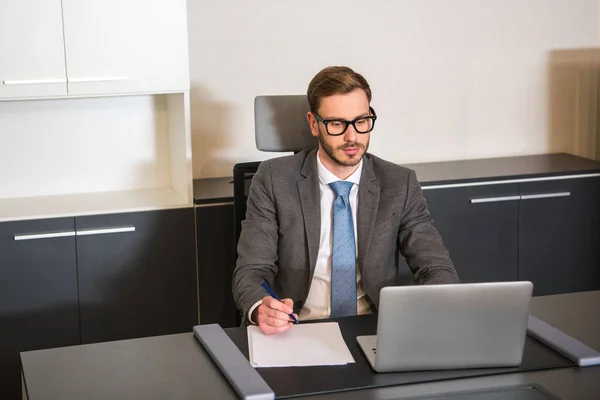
x: 137, y: 274
x: 479, y: 227
x: 547, y: 232
x: 95, y: 278
x: 32, y: 54
x: 71, y: 49
x: 113, y: 47
x: 38, y: 293
x: 559, y: 235
x: 54, y: 48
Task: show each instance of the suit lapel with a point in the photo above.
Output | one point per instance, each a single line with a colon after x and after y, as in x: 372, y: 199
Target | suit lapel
x: 308, y: 189
x: 368, y: 201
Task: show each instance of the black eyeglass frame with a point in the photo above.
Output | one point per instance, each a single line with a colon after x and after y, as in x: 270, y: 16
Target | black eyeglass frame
x: 347, y: 123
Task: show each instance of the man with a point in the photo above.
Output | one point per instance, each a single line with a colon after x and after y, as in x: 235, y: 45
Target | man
x: 323, y: 227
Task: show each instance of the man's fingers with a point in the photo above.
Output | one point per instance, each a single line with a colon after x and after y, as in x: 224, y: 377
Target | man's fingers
x: 274, y: 313
x: 289, y: 303
x: 267, y: 320
x: 271, y: 330
x: 272, y: 317
x: 277, y: 305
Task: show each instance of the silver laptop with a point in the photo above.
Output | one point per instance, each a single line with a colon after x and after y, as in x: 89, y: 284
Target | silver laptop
x: 430, y: 327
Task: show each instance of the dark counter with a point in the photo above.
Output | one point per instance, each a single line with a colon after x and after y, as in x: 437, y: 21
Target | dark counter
x: 219, y: 190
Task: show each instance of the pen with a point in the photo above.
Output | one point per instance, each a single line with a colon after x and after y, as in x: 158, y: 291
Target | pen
x: 273, y: 295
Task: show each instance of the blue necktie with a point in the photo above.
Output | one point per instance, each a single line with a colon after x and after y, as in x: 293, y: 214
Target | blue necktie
x: 343, y: 253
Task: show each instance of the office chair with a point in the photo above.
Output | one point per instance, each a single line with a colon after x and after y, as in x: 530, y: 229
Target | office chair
x: 242, y: 177
x: 280, y: 125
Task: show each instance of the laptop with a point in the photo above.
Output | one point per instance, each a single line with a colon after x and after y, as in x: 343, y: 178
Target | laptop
x: 452, y: 326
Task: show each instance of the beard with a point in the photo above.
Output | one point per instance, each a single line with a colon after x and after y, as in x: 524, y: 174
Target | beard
x: 330, y: 151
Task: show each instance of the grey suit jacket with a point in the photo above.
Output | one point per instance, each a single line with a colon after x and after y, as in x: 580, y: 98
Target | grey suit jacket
x: 280, y: 235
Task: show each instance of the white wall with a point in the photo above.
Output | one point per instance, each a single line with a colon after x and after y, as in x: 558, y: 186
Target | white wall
x: 451, y: 79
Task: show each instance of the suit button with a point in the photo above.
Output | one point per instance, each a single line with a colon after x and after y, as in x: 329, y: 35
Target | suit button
x: 298, y: 304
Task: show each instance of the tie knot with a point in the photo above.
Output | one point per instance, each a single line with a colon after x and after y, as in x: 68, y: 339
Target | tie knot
x: 341, y: 188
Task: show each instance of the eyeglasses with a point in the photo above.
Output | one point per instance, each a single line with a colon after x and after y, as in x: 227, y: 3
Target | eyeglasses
x: 337, y: 127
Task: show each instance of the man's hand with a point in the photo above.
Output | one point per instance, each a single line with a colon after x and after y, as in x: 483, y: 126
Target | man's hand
x: 272, y: 315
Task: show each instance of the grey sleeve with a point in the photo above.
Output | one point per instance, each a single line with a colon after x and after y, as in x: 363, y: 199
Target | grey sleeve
x: 420, y: 242
x: 257, y: 246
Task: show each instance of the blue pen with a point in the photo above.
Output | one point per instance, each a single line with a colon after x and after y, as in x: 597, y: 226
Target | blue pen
x: 273, y: 295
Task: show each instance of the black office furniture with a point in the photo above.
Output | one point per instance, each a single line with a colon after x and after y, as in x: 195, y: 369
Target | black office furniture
x: 528, y: 217
x: 289, y: 382
x: 177, y: 367
x: 242, y: 178
x: 38, y: 293
x: 93, y: 278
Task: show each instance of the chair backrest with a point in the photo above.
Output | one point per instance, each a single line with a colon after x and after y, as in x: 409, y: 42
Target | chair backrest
x: 280, y: 123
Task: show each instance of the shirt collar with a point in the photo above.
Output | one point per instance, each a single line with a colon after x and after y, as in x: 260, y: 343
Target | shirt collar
x: 326, y: 176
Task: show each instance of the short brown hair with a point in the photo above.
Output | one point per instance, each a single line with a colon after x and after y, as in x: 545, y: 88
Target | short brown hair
x: 335, y: 80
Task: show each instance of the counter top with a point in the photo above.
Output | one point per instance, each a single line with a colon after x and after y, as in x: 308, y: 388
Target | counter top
x: 505, y: 168
x: 220, y: 190
x: 213, y: 190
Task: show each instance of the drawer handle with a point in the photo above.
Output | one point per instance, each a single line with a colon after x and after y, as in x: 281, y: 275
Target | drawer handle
x: 34, y: 81
x: 88, y: 232
x: 99, y: 79
x: 44, y: 235
x: 545, y: 195
x: 495, y: 199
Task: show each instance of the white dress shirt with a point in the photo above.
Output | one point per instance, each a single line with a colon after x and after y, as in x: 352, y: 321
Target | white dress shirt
x: 318, y: 302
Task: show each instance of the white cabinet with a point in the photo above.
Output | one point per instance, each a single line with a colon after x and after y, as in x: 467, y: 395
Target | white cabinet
x: 126, y: 46
x: 32, y: 56
x: 118, y: 140
x: 54, y: 48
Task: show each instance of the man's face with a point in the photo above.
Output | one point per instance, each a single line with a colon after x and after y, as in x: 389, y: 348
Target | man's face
x: 345, y: 150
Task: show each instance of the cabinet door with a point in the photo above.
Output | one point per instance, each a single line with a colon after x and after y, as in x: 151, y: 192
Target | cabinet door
x: 38, y: 293
x: 126, y: 46
x: 137, y: 274
x: 559, y: 235
x: 32, y: 57
x: 479, y: 227
x: 216, y: 261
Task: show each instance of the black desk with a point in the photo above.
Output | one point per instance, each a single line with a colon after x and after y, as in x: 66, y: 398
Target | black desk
x: 294, y: 381
x: 177, y: 367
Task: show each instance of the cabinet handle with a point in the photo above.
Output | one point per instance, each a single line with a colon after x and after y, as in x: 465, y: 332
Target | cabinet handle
x: 545, y: 195
x: 99, y: 79
x: 495, y: 199
x: 44, y: 235
x: 34, y: 81
x: 87, y: 232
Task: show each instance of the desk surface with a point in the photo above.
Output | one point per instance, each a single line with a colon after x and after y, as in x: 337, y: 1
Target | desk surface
x: 217, y: 190
x: 177, y: 367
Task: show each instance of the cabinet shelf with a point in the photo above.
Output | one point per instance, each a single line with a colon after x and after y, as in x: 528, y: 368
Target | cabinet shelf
x: 94, y: 156
x: 90, y: 203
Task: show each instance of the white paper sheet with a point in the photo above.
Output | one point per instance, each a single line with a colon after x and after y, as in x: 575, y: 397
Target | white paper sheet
x: 301, y: 346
